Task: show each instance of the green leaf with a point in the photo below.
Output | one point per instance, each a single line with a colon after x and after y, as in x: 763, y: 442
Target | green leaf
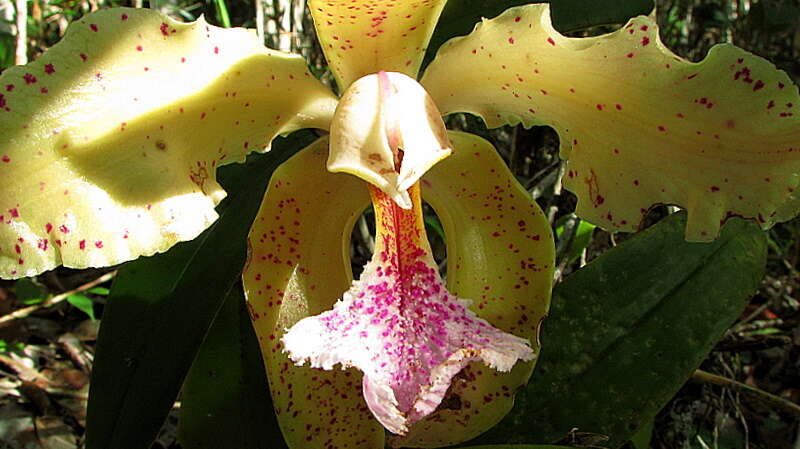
x: 519, y: 446
x: 29, y: 292
x: 581, y: 237
x: 160, y: 310
x: 225, y: 402
x: 82, y: 303
x: 642, y: 438
x: 102, y: 291
x: 627, y: 330
x: 460, y: 16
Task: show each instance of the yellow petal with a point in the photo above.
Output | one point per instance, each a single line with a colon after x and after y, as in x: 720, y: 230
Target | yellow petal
x: 387, y: 131
x: 500, y: 254
x: 112, y: 138
x: 299, y: 264
x: 360, y: 38
x: 639, y: 125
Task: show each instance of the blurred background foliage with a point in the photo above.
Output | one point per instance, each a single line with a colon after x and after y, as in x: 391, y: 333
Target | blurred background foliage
x: 48, y: 325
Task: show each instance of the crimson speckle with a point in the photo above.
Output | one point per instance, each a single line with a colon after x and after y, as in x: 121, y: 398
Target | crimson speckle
x: 714, y: 189
x: 6, y: 159
x: 759, y: 85
x: 64, y: 229
x: 124, y: 17
x: 48, y: 227
x: 139, y: 48
x: 216, y: 50
x: 551, y: 41
x: 645, y: 41
x: 94, y: 27
x: 164, y: 29
x: 83, y: 57
x: 14, y: 212
x: 630, y: 55
x: 82, y: 244
x: 49, y: 69
x: 98, y: 244
x: 517, y: 19
x: 511, y: 40
x: 9, y: 87
x: 29, y: 79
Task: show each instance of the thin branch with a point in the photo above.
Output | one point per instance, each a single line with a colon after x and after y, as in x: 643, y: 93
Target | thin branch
x: 704, y: 377
x: 21, y: 51
x: 22, y: 313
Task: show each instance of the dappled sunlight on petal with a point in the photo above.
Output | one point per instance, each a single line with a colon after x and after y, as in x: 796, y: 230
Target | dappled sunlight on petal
x: 639, y: 125
x: 112, y: 138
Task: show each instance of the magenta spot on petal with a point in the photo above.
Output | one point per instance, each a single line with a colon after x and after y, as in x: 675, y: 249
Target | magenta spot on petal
x: 49, y: 69
x: 82, y: 244
x: 29, y: 79
x: 5, y: 158
x: 94, y: 27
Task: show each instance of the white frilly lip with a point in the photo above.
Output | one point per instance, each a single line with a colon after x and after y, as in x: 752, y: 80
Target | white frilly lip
x: 408, y: 335
x: 378, y: 116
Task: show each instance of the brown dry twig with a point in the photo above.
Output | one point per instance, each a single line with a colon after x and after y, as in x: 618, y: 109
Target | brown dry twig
x: 22, y: 313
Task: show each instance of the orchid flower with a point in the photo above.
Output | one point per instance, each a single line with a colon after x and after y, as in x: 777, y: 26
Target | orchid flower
x: 111, y: 141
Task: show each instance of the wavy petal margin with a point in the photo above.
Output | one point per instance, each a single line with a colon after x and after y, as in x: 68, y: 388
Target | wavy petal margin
x: 299, y: 264
x: 361, y: 38
x: 112, y: 138
x: 638, y: 125
x: 500, y: 253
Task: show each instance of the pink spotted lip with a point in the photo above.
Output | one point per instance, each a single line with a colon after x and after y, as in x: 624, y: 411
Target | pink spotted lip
x: 400, y: 326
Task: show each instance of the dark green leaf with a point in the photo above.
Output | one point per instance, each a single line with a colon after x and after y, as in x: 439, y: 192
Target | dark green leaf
x: 460, y: 16
x: 160, y: 309
x: 225, y: 401
x: 627, y: 330
x: 82, y: 303
x: 29, y: 292
x: 519, y: 446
